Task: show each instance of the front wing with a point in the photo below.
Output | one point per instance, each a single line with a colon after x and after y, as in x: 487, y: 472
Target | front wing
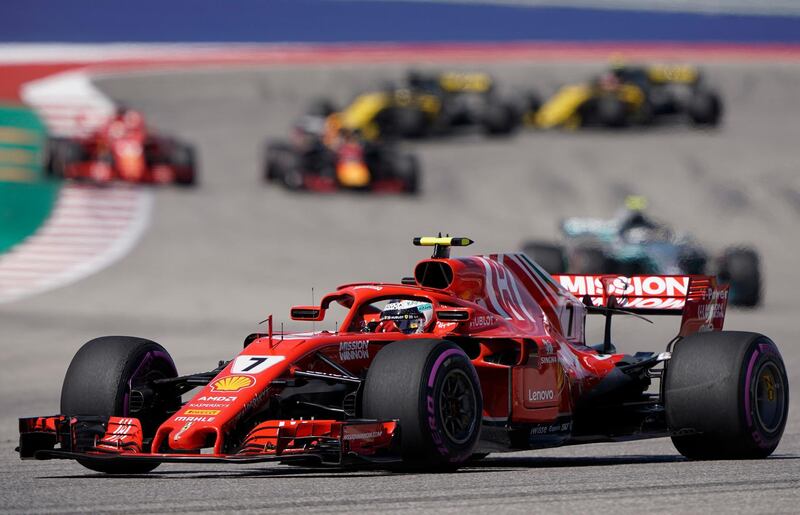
x: 118, y: 440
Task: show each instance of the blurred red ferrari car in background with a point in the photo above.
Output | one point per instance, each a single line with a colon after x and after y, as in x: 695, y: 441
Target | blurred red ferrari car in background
x: 123, y: 149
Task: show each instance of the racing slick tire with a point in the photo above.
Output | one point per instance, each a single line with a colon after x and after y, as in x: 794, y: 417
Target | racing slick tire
x: 183, y: 158
x: 692, y: 261
x: 705, y: 108
x: 611, y: 111
x: 277, y: 156
x: 292, y: 179
x: 549, y: 256
x: 499, y: 118
x: 741, y: 269
x: 431, y: 387
x: 61, y: 153
x: 407, y: 168
x: 282, y: 166
x: 589, y: 260
x: 728, y: 393
x: 101, y: 381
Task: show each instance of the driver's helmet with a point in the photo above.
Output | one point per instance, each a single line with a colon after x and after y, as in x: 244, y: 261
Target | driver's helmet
x: 310, y: 125
x: 608, y: 81
x: 410, y: 316
x: 640, y: 234
x: 133, y: 119
x: 633, y: 216
x: 415, y: 78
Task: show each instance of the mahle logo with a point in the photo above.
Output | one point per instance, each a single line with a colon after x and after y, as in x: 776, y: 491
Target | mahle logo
x: 232, y: 383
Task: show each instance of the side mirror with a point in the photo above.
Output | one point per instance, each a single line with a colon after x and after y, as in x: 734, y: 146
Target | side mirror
x: 454, y: 314
x: 309, y: 313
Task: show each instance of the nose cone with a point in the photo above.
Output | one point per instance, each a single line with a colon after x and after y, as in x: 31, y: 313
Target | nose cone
x: 194, y: 434
x: 239, y: 390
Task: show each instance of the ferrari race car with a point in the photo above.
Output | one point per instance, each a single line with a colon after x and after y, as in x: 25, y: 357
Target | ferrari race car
x: 633, y: 243
x: 428, y: 104
x: 632, y: 95
x: 124, y: 149
x: 471, y: 355
x: 318, y: 161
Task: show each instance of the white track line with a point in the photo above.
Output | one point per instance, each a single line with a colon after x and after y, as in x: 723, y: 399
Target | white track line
x: 90, y: 227
x: 55, y: 256
x: 69, y: 103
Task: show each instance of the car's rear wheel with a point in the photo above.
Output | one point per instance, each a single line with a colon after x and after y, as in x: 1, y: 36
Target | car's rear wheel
x: 692, y: 260
x: 705, y: 108
x: 183, y: 158
x: 740, y: 267
x: 726, y: 395
x: 107, y: 378
x: 439, y: 405
x: 549, y: 256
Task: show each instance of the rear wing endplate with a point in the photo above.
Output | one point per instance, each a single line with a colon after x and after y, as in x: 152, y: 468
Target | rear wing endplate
x: 697, y: 298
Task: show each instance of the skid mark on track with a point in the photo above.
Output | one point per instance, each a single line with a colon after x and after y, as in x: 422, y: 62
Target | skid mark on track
x: 89, y: 229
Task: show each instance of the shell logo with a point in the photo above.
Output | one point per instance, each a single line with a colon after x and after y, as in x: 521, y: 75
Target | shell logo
x: 232, y: 383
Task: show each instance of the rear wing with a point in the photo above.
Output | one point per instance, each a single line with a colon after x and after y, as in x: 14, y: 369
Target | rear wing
x: 697, y: 298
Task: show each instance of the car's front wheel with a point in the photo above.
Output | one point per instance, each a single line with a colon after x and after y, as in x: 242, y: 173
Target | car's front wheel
x: 705, y: 108
x: 406, y: 167
x: 431, y: 387
x: 108, y: 377
x: 499, y: 118
x: 62, y: 153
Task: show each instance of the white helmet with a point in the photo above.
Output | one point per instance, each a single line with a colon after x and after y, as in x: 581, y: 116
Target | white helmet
x: 410, y: 316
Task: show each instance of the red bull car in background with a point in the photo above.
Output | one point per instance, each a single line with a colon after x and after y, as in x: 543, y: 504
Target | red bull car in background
x: 123, y: 150
x: 471, y: 355
x: 321, y: 158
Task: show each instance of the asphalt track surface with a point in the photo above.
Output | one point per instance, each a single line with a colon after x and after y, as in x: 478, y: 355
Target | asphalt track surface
x: 220, y: 258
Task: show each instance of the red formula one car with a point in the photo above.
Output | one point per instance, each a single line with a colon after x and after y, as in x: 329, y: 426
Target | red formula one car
x: 123, y: 150
x: 472, y: 355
